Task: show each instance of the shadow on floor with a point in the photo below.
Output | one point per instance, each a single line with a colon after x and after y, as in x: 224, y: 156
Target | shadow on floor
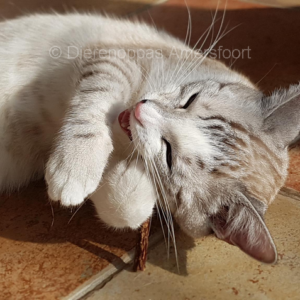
x: 274, y: 61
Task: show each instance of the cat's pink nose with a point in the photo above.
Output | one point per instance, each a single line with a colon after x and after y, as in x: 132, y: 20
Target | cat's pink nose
x: 137, y: 111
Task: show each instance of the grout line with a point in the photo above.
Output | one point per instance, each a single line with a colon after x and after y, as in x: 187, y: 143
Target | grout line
x: 104, y: 276
x: 99, y: 280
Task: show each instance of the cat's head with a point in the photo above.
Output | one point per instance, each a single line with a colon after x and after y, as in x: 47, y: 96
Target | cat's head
x: 218, y: 153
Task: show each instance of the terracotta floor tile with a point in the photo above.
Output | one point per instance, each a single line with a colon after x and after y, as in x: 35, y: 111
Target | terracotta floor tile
x: 44, y: 257
x: 40, y: 261
x: 213, y: 270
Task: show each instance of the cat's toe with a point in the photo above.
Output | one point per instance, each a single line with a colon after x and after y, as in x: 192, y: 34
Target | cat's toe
x: 73, y: 176
x: 70, y: 188
x: 72, y: 195
x: 62, y: 188
x: 69, y: 192
x: 54, y: 187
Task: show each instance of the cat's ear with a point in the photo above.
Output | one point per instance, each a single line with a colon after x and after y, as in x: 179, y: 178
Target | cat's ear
x: 241, y: 225
x: 281, y: 112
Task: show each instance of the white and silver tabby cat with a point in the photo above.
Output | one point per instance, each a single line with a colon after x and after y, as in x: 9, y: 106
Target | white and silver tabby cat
x: 76, y: 89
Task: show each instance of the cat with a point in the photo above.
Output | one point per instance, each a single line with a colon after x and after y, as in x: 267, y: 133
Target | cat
x: 132, y: 117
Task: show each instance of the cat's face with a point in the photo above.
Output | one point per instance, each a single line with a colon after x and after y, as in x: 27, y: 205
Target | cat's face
x: 214, y: 162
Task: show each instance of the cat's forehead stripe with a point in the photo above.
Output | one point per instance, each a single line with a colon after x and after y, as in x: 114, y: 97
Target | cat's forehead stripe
x: 234, y: 125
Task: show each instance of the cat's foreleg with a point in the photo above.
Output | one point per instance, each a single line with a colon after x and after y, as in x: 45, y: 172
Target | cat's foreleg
x: 84, y: 144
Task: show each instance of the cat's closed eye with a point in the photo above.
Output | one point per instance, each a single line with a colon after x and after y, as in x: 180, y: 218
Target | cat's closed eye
x: 168, y: 154
x: 190, y: 101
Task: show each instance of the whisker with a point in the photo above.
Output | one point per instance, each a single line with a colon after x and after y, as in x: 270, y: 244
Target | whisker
x: 207, y: 32
x: 169, y: 215
x: 189, y: 27
x: 97, y: 189
x: 135, y: 167
x: 166, y: 218
x: 146, y: 77
x: 130, y: 156
x: 266, y: 74
x: 78, y: 210
x: 152, y: 20
x: 222, y: 22
x: 210, y: 28
x: 211, y: 46
x: 209, y: 50
x: 52, y: 211
x: 158, y: 209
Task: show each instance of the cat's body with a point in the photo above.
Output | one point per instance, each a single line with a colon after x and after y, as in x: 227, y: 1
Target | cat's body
x: 65, y: 79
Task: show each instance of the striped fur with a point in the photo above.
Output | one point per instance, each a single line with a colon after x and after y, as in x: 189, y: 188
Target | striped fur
x: 58, y: 118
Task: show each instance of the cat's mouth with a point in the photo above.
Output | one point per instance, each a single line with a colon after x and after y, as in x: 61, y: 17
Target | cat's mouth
x: 124, y: 121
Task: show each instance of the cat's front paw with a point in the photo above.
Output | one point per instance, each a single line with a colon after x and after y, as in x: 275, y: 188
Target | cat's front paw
x: 69, y: 185
x: 127, y: 197
x: 73, y: 173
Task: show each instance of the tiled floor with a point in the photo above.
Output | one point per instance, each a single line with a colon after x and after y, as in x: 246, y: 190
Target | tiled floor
x: 293, y: 180
x: 42, y: 254
x: 39, y: 260
x: 213, y: 270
